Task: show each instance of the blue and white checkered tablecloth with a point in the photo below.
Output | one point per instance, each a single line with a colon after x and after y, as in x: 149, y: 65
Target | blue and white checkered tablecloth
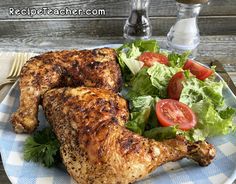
x: 222, y: 170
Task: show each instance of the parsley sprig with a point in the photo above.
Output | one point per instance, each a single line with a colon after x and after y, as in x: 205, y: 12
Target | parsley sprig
x: 42, y: 147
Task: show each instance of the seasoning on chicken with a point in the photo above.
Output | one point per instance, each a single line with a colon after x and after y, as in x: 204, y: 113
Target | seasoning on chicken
x: 93, y: 68
x: 97, y: 148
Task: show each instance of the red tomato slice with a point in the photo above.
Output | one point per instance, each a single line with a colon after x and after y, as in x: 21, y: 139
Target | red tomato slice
x: 172, y: 112
x: 175, y: 86
x: 150, y: 57
x: 198, y: 70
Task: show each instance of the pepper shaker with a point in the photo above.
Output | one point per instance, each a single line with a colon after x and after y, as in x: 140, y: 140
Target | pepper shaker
x: 138, y: 25
x: 184, y: 34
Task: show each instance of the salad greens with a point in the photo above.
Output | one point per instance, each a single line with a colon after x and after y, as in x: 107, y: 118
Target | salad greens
x: 129, y: 59
x: 160, y: 75
x: 146, y: 86
x: 161, y: 133
x: 142, y: 45
x: 142, y: 108
x: 195, y: 90
x: 152, y: 81
x: 141, y: 85
x: 128, y: 54
x: 210, y: 121
x: 177, y: 60
x: 138, y: 120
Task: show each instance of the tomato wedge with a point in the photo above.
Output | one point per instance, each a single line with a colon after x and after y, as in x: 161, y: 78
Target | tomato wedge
x: 175, y: 86
x: 172, y: 112
x: 150, y: 57
x: 198, y: 70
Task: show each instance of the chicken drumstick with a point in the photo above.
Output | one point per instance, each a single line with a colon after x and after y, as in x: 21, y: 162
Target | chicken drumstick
x: 97, y: 148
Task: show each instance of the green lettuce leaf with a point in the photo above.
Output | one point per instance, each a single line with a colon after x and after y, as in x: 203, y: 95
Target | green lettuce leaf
x: 138, y: 120
x: 177, y: 60
x: 126, y: 73
x: 137, y: 104
x: 128, y: 54
x: 133, y: 65
x: 133, y: 52
x: 212, y: 123
x: 152, y: 81
x: 196, y: 90
x: 206, y: 100
x: 227, y: 113
x: 161, y: 133
x: 192, y: 135
x: 213, y: 90
x: 160, y: 76
x: 147, y: 45
x: 141, y: 85
x: 141, y: 102
x: 128, y: 63
x: 143, y: 45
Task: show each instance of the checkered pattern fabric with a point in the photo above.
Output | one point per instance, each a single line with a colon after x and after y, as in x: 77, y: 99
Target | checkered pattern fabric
x: 222, y: 170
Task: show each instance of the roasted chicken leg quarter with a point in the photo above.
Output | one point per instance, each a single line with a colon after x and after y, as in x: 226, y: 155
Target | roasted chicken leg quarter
x: 94, y: 68
x: 97, y: 148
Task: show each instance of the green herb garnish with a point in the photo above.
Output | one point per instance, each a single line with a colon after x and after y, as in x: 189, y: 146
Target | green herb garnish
x: 42, y: 147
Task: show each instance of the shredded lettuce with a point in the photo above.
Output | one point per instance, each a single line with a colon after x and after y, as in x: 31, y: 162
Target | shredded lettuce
x: 161, y: 133
x: 141, y: 102
x: 141, y: 85
x: 143, y: 45
x: 138, y: 120
x: 211, y: 122
x: 160, y: 76
x: 142, y: 114
x: 196, y: 90
x: 178, y: 60
x: 152, y: 81
x: 128, y: 63
x: 147, y: 45
x: 126, y: 73
x: 227, y: 113
x: 128, y: 54
x: 133, y: 64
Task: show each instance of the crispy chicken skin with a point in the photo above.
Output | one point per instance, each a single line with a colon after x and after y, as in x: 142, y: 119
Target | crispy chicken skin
x: 97, y: 148
x: 93, y: 68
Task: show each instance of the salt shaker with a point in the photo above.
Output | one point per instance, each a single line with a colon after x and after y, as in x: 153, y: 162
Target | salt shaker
x: 138, y: 25
x: 184, y: 34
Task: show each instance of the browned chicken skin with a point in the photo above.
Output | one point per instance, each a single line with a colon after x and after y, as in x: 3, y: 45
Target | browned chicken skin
x: 97, y: 148
x: 93, y: 68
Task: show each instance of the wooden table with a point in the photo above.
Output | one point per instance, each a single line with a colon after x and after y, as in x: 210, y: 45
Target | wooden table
x: 222, y: 48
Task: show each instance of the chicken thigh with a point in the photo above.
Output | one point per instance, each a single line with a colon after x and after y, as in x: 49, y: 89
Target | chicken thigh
x: 97, y: 148
x: 94, y: 68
